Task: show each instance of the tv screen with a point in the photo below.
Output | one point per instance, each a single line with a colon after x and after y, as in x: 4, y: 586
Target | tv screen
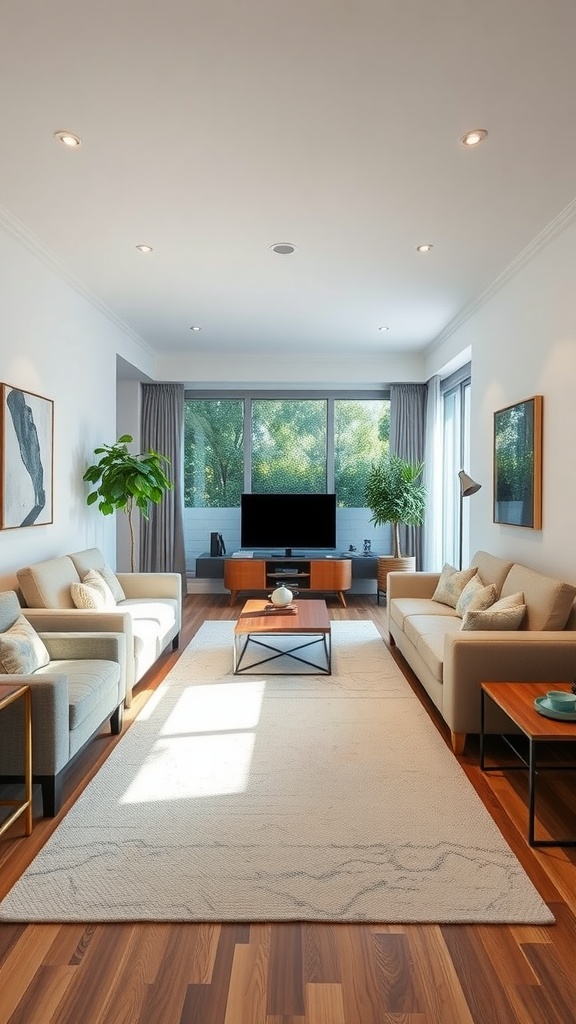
x: 288, y: 521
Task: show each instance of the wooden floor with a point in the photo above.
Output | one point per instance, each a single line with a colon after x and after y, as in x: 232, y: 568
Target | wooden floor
x: 300, y: 973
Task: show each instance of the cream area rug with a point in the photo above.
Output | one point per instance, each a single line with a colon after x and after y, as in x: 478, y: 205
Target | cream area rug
x: 273, y: 797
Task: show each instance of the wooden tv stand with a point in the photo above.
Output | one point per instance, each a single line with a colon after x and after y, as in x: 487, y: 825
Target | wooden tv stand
x: 309, y: 575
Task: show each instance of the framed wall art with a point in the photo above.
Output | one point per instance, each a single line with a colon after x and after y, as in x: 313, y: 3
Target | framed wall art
x: 27, y: 441
x: 518, y: 464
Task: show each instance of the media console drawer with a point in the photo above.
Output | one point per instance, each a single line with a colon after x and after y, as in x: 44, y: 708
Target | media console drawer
x: 307, y: 574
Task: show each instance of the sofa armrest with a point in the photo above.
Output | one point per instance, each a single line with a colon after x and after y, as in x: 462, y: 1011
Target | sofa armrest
x: 151, y: 584
x: 471, y: 658
x: 412, y: 584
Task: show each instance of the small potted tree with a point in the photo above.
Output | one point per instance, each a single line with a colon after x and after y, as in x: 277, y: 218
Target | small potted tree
x: 124, y: 481
x: 395, y: 494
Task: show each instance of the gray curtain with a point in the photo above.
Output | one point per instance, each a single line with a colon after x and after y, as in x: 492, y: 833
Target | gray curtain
x: 162, y: 426
x: 407, y: 439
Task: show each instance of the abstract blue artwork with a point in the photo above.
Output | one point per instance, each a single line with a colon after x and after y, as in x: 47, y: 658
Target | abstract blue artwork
x: 27, y: 453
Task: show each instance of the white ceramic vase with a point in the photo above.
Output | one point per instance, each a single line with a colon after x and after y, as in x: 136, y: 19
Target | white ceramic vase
x: 281, y: 597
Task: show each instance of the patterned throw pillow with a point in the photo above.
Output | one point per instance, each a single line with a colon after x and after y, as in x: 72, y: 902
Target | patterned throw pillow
x: 507, y: 613
x: 113, y: 582
x: 476, y: 597
x: 451, y: 584
x: 21, y: 649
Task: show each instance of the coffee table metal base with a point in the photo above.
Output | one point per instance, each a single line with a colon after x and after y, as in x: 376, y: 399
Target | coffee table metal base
x: 242, y: 643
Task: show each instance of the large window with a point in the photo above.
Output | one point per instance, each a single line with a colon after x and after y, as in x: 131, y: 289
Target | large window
x: 213, y: 453
x: 288, y: 446
x: 300, y: 443
x: 361, y: 437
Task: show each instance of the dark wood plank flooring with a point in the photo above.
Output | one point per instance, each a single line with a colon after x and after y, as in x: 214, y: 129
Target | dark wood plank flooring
x: 300, y: 973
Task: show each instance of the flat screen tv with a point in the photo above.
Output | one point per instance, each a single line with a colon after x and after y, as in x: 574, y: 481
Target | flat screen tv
x: 288, y: 521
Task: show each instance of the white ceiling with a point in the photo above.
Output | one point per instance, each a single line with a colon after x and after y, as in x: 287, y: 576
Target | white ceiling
x: 212, y: 130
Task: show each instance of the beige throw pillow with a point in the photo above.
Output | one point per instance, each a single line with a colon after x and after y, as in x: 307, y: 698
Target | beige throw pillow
x: 84, y: 596
x: 21, y: 649
x: 92, y: 593
x: 451, y: 584
x: 507, y: 613
x: 113, y: 582
x: 476, y: 597
x: 93, y: 578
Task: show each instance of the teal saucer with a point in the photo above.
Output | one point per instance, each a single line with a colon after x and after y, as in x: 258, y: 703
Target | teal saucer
x: 543, y: 707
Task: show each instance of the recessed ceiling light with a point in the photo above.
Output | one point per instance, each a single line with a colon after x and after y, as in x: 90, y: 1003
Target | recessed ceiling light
x: 425, y: 247
x: 383, y: 328
x: 474, y: 137
x: 68, y: 139
x: 144, y: 248
x: 283, y: 248
x: 195, y: 328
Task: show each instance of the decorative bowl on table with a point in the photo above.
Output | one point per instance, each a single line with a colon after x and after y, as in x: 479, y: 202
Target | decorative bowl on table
x: 560, y: 700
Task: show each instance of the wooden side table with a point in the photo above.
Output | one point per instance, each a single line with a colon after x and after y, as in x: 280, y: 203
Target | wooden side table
x: 517, y: 701
x: 10, y: 692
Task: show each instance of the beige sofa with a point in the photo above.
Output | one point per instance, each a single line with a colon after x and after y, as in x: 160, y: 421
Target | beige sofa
x: 149, y: 616
x: 451, y: 662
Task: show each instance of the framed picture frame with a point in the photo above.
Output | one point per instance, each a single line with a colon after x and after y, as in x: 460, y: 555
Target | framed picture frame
x: 27, y: 445
x: 518, y: 464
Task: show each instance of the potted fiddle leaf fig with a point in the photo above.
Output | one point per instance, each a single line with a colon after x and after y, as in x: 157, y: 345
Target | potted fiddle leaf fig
x: 395, y: 494
x: 124, y: 481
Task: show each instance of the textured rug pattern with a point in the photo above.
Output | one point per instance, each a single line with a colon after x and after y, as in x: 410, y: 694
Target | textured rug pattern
x: 267, y: 797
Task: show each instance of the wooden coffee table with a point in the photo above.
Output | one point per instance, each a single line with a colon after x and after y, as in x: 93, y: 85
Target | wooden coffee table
x: 309, y: 625
x: 517, y: 702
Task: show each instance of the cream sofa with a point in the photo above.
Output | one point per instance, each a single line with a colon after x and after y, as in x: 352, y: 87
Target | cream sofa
x: 150, y: 616
x: 451, y: 663
x: 74, y: 690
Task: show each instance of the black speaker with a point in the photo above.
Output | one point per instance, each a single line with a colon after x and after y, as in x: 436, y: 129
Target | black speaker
x: 215, y: 544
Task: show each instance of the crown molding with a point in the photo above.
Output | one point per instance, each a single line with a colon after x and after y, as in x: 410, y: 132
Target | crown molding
x: 13, y: 227
x: 539, y: 242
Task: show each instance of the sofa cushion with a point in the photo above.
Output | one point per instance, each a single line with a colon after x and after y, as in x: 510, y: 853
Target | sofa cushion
x: 451, y: 584
x: 47, y: 584
x: 90, y: 681
x: 475, y: 596
x: 548, y: 600
x: 89, y: 558
x: 401, y: 607
x: 491, y: 568
x: 426, y: 633
x: 21, y: 649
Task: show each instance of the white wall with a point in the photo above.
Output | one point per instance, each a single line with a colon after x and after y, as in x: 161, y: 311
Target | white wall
x: 274, y: 369
x: 56, y: 343
x: 523, y: 342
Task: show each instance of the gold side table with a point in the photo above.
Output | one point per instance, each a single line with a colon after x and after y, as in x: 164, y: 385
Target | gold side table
x: 10, y: 692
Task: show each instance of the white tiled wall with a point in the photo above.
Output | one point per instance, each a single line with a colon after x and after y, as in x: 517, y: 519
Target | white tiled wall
x: 352, y: 527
